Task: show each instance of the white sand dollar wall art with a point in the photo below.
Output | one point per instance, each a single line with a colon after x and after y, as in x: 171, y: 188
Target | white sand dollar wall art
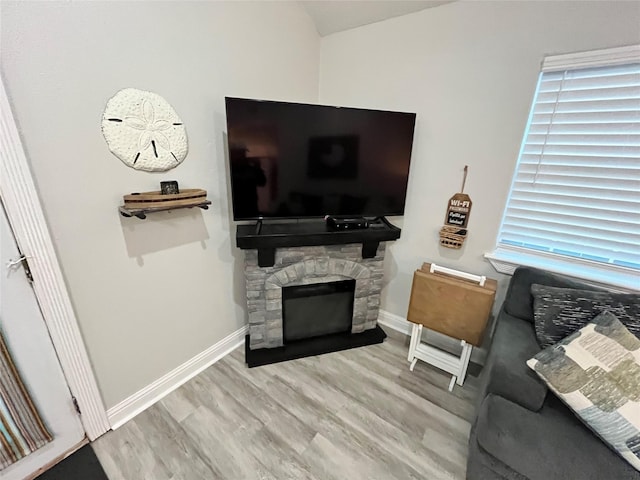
x: 144, y: 131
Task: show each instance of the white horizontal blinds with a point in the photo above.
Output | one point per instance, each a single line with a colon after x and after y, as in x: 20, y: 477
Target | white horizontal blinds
x: 577, y: 187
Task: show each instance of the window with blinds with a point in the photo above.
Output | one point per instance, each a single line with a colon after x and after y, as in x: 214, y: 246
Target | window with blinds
x: 576, y: 189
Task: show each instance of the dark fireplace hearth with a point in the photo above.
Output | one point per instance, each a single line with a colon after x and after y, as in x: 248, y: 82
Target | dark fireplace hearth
x: 312, y: 346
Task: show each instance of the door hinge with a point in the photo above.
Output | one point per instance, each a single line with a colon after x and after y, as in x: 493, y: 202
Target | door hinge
x: 27, y: 269
x: 76, y: 406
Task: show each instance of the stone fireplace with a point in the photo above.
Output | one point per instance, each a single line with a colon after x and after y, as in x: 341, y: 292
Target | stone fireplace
x: 312, y: 289
x: 305, y: 266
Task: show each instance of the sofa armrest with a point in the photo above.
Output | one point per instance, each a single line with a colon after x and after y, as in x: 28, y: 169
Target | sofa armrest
x: 506, y: 372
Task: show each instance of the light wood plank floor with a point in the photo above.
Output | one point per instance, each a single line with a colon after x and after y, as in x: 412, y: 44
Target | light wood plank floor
x: 357, y: 414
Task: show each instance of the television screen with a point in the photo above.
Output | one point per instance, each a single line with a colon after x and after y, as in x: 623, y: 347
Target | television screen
x: 291, y: 160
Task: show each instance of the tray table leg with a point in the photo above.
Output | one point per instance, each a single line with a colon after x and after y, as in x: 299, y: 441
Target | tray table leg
x: 416, y: 334
x: 452, y: 382
x: 465, y: 356
x: 456, y: 366
x: 413, y: 364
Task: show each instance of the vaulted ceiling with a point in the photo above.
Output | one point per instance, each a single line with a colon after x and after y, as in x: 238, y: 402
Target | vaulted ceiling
x: 338, y: 15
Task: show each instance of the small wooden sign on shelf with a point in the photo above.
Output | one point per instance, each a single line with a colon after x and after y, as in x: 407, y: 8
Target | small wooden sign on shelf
x: 454, y: 232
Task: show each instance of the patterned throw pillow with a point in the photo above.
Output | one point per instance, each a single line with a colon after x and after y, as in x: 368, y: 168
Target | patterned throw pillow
x: 559, y: 312
x: 596, y: 372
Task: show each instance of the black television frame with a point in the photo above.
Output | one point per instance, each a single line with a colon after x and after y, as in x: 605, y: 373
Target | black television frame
x: 261, y: 218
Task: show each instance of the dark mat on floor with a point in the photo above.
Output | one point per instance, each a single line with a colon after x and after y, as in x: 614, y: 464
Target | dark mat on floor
x: 81, y: 465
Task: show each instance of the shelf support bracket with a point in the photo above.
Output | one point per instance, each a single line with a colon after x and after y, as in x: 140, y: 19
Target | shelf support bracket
x: 369, y: 249
x: 266, y: 257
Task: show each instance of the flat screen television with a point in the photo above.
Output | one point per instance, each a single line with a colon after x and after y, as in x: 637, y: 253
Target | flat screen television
x: 293, y: 160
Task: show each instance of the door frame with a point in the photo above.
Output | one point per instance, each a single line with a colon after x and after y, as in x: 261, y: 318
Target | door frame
x: 27, y: 220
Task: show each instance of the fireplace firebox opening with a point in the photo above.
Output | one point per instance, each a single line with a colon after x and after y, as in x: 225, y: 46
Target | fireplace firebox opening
x: 317, y: 309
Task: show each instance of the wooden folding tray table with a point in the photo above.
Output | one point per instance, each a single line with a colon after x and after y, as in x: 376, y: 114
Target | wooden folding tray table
x: 454, y: 303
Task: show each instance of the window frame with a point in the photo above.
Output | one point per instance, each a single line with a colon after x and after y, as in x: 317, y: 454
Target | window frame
x: 505, y: 258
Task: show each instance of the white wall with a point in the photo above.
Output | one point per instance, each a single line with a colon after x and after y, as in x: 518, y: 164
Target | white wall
x: 469, y: 70
x: 149, y: 294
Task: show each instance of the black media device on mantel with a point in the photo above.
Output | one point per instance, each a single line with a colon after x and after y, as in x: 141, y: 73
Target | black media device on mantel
x: 300, y: 161
x: 337, y: 223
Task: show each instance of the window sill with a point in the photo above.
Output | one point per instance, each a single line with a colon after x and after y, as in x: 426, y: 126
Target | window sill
x: 507, y: 259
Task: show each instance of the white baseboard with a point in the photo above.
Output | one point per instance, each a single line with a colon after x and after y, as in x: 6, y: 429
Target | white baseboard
x: 143, y: 399
x: 395, y: 322
x: 402, y: 325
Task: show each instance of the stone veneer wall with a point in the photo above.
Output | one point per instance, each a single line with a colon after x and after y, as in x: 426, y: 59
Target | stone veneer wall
x: 306, y: 265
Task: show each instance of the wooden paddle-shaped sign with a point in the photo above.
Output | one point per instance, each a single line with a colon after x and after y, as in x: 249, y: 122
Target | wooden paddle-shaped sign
x: 459, y: 207
x: 454, y: 232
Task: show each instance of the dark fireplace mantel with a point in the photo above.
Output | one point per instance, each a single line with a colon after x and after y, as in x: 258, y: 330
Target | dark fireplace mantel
x: 266, y: 237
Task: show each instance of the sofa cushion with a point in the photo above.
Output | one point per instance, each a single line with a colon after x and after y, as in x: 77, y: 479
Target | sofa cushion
x: 559, y: 312
x: 505, y: 371
x: 544, y: 445
x: 596, y: 372
x: 519, y: 302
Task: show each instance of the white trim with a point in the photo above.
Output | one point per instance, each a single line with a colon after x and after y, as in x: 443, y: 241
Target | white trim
x: 594, y: 58
x: 395, y: 322
x: 505, y: 259
x: 143, y: 399
x: 501, y: 266
x: 402, y: 325
x: 27, y: 221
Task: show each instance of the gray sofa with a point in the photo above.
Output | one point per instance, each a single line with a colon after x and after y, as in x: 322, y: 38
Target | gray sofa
x: 522, y: 431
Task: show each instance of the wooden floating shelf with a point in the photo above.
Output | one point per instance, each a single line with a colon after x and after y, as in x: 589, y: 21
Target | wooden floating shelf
x: 139, y: 204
